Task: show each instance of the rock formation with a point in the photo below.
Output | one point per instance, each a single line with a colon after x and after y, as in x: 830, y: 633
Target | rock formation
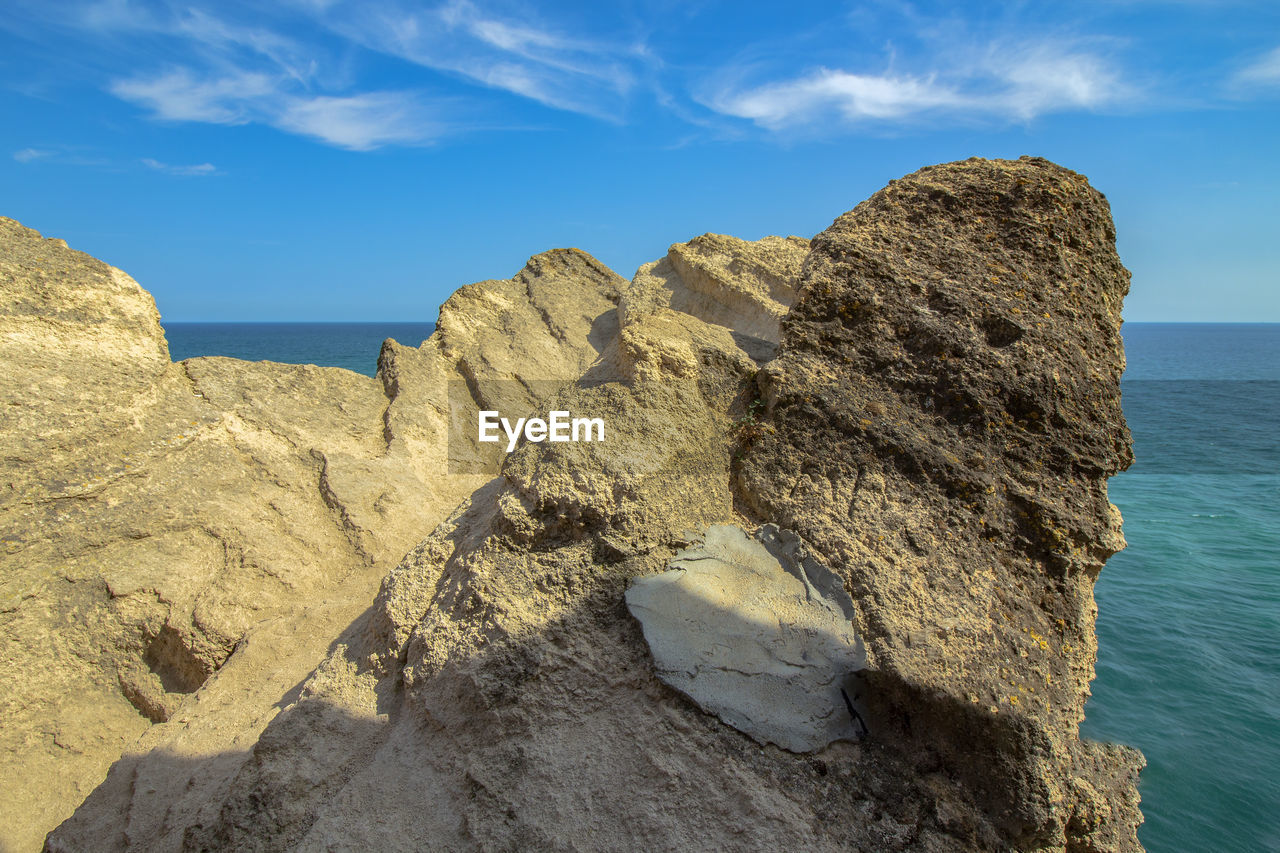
x: 934, y: 418
x: 745, y: 287
x: 947, y: 411
x: 165, y: 522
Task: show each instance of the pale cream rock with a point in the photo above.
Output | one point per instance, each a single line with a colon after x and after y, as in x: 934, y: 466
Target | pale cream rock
x: 184, y: 542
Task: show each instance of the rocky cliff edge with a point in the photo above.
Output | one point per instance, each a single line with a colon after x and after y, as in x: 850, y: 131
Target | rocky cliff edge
x: 926, y: 400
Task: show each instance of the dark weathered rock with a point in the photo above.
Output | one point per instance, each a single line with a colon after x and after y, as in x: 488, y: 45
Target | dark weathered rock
x: 943, y: 416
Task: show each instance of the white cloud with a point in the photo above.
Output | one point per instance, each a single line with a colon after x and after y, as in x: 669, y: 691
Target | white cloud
x: 181, y: 95
x: 62, y: 155
x: 291, y: 65
x: 199, y: 170
x: 26, y: 155
x: 359, y: 122
x: 1004, y: 85
x: 1044, y: 81
x: 205, y: 32
x: 218, y: 35
x: 236, y: 74
x: 70, y: 156
x: 852, y: 96
x: 525, y: 58
x: 1263, y: 71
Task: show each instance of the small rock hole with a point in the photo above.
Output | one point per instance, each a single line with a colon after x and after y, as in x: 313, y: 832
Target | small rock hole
x: 179, y: 670
x: 1001, y: 332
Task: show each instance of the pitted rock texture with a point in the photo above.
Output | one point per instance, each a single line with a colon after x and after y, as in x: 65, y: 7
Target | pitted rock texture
x: 939, y: 426
x: 60, y: 307
x: 744, y: 631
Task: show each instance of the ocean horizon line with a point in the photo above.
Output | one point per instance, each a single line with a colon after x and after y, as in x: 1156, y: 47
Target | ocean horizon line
x: 432, y: 322
x: 297, y: 322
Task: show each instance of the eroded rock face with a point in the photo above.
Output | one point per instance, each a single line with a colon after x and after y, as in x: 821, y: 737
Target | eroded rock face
x: 513, y: 344
x: 745, y: 287
x: 82, y: 347
x: 938, y: 453
x: 744, y: 630
x: 528, y: 713
x: 184, y: 541
x: 942, y: 420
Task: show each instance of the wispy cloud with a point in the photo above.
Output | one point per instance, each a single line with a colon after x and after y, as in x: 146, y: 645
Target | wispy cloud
x: 1046, y: 79
x: 285, y: 53
x: 70, y: 156
x: 233, y: 73
x: 62, y: 155
x: 213, y: 38
x: 251, y: 74
x: 180, y: 94
x: 359, y: 122
x: 999, y: 85
x: 851, y: 96
x: 198, y: 170
x: 1264, y: 71
x: 528, y: 58
x: 26, y: 155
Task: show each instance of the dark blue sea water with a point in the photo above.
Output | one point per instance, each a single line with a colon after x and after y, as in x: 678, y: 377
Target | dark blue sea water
x: 354, y: 346
x: 1188, y: 616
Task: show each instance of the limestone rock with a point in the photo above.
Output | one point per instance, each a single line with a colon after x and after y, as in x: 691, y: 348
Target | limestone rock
x: 184, y: 541
x: 499, y: 695
x: 942, y: 419
x: 60, y: 307
x: 938, y: 452
x: 511, y: 702
x: 744, y: 631
x: 498, y: 345
x: 743, y: 286
x: 668, y: 328
x: 551, y: 320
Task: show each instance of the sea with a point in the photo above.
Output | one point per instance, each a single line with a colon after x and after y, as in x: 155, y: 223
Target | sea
x: 1188, y: 615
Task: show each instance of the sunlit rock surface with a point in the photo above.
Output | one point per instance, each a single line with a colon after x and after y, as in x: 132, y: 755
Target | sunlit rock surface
x: 183, y: 541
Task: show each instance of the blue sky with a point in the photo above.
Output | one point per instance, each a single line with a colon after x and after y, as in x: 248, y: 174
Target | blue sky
x: 329, y: 160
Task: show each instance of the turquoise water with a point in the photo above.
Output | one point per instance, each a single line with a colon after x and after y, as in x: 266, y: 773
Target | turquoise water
x: 1189, y: 615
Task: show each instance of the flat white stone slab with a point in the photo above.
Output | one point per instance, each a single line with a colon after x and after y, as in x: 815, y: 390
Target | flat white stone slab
x: 756, y: 632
